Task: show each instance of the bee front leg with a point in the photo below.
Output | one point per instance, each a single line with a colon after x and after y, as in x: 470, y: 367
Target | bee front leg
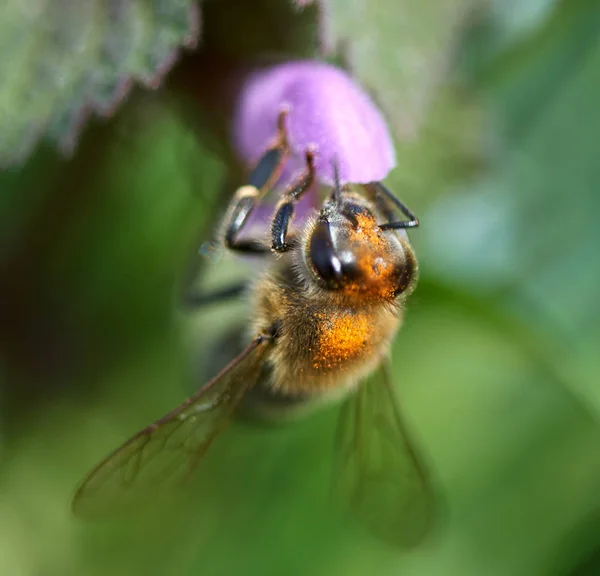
x: 285, y: 208
x: 387, y: 202
x: 262, y: 179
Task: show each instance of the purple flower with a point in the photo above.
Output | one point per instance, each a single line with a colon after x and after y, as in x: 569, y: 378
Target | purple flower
x: 327, y: 111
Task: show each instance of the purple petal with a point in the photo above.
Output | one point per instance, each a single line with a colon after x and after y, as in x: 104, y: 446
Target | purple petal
x: 328, y: 112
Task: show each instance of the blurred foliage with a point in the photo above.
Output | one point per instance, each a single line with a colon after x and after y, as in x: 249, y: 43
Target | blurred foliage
x: 405, y: 59
x: 63, y: 60
x: 497, y: 365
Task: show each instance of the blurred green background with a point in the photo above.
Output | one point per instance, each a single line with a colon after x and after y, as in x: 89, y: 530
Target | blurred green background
x: 497, y: 365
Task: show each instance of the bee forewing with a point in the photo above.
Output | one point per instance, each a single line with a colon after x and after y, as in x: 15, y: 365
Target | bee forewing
x: 378, y: 470
x: 168, y: 450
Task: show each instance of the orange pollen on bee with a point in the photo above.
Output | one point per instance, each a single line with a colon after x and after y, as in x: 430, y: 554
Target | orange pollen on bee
x: 378, y: 274
x: 340, y: 338
x: 368, y: 231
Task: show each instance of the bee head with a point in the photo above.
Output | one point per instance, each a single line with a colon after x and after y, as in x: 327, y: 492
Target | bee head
x: 346, y: 251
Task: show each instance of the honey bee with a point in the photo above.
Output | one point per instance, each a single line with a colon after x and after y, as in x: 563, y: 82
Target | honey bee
x: 324, y: 314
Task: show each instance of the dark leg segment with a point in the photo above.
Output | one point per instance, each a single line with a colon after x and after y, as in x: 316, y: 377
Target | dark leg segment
x: 386, y: 200
x: 197, y: 300
x: 285, y: 209
x: 261, y: 180
x: 245, y: 201
x: 267, y: 169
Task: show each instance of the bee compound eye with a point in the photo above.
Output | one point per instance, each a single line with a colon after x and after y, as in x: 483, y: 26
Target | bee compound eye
x: 322, y: 254
x: 407, y: 274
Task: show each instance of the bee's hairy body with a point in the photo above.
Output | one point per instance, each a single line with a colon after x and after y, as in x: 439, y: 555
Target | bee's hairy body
x: 321, y: 345
x: 332, y: 332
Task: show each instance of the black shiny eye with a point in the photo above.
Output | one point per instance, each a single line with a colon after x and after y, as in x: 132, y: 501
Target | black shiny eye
x: 407, y: 274
x: 322, y: 254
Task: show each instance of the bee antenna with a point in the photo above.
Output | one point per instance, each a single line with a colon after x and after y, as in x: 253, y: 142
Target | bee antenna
x: 337, y: 189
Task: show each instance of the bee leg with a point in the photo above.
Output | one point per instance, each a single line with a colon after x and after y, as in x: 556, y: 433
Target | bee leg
x: 199, y: 299
x: 262, y: 179
x: 387, y: 202
x: 285, y: 209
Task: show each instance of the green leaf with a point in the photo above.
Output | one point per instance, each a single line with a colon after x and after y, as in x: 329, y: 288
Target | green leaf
x: 399, y: 49
x: 529, y: 228
x: 69, y: 59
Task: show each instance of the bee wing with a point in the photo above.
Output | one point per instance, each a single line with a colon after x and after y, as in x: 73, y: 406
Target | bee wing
x: 379, y: 472
x: 168, y: 450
